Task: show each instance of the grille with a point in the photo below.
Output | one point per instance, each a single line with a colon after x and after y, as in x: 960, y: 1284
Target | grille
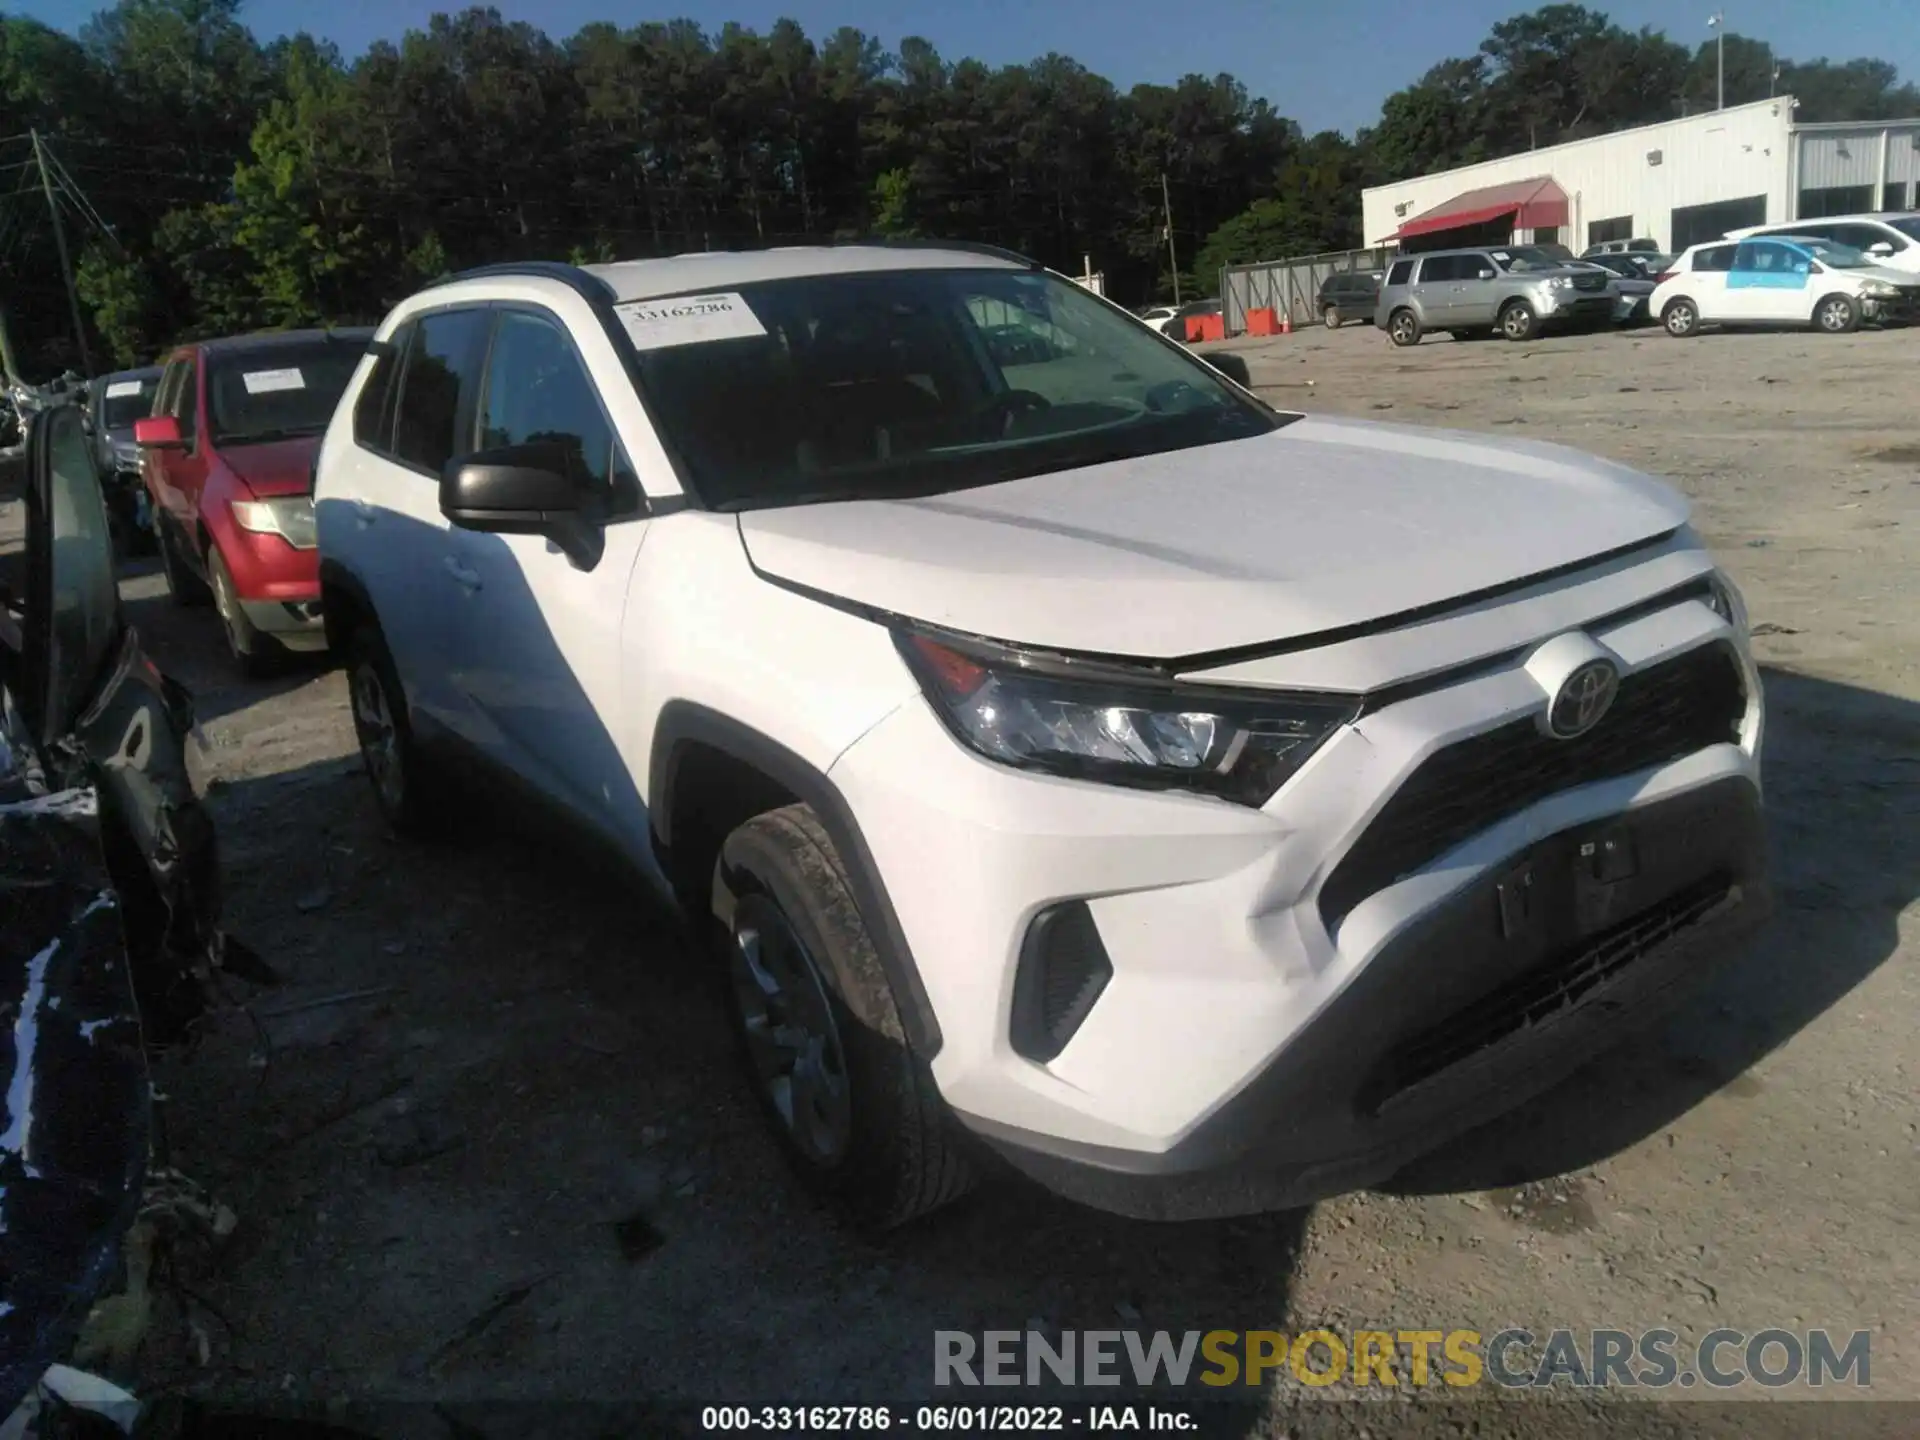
x: 1547, y: 991
x: 1660, y: 713
x: 1589, y: 282
x: 1063, y: 969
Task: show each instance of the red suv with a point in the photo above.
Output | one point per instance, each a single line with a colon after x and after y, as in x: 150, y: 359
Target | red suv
x: 227, y: 457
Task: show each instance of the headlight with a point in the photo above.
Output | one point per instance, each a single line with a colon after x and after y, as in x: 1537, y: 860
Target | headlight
x: 1106, y: 725
x: 288, y: 516
x: 1561, y: 282
x: 1879, y: 289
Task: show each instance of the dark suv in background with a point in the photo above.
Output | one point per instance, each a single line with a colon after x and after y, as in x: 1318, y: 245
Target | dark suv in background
x: 114, y: 402
x: 1348, y: 295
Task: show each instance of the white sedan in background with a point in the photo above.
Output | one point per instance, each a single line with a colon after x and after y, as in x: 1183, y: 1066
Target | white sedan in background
x: 1784, y: 280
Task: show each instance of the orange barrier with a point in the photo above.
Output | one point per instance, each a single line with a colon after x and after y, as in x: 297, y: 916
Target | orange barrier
x: 1263, y: 322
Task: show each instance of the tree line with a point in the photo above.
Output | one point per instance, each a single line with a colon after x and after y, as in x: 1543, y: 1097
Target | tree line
x: 211, y: 183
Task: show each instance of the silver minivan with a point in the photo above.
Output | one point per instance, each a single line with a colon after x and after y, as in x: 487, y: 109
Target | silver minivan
x: 1515, y: 290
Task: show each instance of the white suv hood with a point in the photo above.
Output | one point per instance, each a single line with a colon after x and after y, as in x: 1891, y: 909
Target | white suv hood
x: 1320, y: 525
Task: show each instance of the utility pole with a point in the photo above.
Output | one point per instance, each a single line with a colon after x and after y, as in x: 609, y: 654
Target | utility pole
x: 1173, y: 259
x: 60, y: 244
x: 1773, y: 80
x: 1717, y: 22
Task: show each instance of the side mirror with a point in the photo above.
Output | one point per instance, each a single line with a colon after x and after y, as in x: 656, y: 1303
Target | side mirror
x: 1880, y: 248
x: 158, y: 432
x: 1234, y: 367
x: 520, y: 490
x: 1486, y: 275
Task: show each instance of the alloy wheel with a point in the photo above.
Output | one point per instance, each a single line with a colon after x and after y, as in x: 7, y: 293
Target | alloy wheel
x: 792, y: 1039
x: 379, y: 736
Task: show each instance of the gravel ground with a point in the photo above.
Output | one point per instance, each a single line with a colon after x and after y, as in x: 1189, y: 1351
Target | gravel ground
x: 516, y: 1164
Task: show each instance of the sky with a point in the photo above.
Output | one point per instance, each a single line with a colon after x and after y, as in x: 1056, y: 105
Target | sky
x: 1325, y: 65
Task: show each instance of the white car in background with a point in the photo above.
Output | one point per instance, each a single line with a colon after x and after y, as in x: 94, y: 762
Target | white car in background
x: 1793, y: 280
x: 1891, y: 239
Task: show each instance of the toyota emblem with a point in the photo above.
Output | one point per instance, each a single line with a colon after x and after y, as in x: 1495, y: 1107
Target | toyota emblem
x: 1582, y: 699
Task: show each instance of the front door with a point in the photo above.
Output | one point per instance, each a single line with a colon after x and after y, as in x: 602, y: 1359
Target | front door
x: 536, y: 654
x: 1770, y: 283
x: 1476, y: 299
x: 175, y: 477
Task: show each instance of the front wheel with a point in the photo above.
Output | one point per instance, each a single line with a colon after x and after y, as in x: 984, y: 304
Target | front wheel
x: 253, y: 652
x: 1681, y: 317
x: 406, y: 790
x: 1518, y: 322
x: 1837, y: 315
x: 1403, y: 327
x: 849, y: 1100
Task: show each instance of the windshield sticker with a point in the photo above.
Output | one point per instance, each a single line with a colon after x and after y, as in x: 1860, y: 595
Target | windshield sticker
x: 688, y: 320
x: 265, y: 382
x: 1500, y: 255
x: 120, y: 389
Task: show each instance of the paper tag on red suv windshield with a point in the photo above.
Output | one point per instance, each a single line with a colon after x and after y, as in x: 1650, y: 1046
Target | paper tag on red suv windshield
x: 688, y: 320
x: 265, y: 382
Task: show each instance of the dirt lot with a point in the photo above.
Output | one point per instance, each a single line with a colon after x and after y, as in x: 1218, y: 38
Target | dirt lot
x: 519, y: 1165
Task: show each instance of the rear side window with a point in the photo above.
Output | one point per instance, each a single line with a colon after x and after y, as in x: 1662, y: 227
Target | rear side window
x: 1715, y: 257
x: 1446, y: 267
x: 373, y: 410
x: 436, y: 388
x: 1401, y: 272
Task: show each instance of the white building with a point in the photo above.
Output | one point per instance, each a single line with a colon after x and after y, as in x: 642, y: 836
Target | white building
x: 1677, y: 183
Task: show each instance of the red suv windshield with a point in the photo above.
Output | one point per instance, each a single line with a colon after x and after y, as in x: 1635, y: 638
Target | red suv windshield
x: 280, y: 391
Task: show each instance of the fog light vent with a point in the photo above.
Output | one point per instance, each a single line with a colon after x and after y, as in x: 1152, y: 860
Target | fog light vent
x: 1063, y: 969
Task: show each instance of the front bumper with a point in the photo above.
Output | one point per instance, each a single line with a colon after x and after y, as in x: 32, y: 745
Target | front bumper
x: 1464, y: 1015
x: 1577, y: 309
x: 1901, y: 309
x: 296, y: 624
x: 1231, y: 935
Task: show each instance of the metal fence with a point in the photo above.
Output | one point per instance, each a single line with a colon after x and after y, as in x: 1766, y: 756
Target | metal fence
x: 1290, y: 287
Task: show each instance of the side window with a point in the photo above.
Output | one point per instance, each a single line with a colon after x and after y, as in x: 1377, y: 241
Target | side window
x: 1401, y: 273
x: 1717, y: 258
x: 1436, y: 267
x: 182, y: 404
x: 373, y: 411
x: 539, y: 393
x: 1861, y: 237
x: 436, y: 378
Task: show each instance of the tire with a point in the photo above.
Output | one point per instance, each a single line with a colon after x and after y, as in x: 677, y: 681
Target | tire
x: 184, y: 588
x: 253, y: 653
x: 1403, y: 328
x: 1518, y: 322
x: 1681, y: 318
x: 1836, y: 315
x: 410, y: 794
x: 1330, y: 317
x: 851, y: 1104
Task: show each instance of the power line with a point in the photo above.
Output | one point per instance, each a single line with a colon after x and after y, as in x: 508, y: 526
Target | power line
x: 66, y: 263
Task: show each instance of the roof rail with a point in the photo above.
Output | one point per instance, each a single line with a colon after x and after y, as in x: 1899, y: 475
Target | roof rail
x: 974, y: 247
x: 590, y: 287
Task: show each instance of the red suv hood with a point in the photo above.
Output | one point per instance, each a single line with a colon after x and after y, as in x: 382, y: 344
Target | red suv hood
x: 279, y: 467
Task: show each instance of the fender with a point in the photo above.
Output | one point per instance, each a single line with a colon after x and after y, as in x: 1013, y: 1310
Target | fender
x: 683, y: 723
x: 334, y: 575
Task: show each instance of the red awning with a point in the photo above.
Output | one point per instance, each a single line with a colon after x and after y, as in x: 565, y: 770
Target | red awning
x: 1534, y: 204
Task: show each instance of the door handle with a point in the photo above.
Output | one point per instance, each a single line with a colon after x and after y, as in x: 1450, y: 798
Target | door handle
x: 466, y: 578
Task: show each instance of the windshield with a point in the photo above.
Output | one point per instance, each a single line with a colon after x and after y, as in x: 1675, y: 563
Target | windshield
x: 278, y: 392
x: 1524, y: 258
x: 841, y: 387
x: 1830, y: 252
x: 125, y: 400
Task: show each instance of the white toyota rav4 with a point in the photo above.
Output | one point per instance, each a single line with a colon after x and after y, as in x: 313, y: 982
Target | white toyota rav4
x: 1204, y: 807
